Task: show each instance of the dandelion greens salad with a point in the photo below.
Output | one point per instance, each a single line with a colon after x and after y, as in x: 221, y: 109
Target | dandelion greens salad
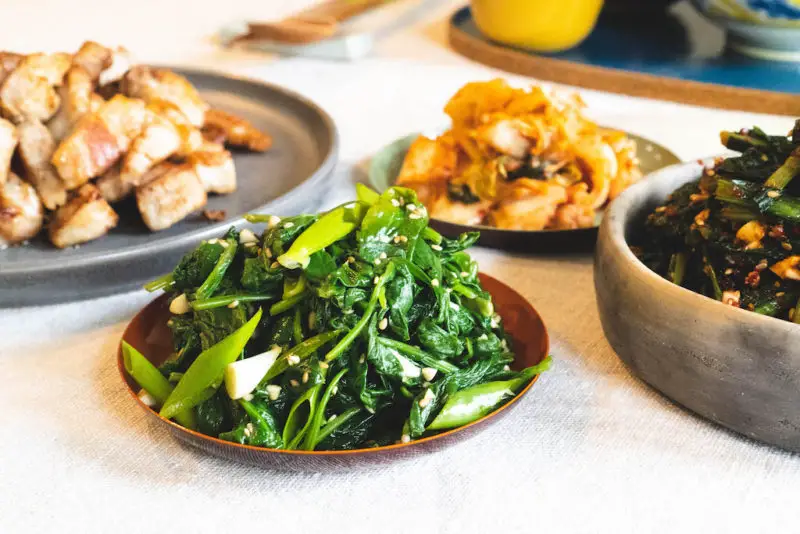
x: 734, y: 235
x: 356, y: 328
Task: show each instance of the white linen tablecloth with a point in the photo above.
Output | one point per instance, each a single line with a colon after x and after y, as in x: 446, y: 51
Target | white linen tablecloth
x: 590, y: 449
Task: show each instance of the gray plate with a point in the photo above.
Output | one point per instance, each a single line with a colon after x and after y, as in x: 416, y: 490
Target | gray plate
x: 290, y: 177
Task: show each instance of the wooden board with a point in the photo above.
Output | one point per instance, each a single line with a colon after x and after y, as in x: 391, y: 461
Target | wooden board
x: 682, y: 77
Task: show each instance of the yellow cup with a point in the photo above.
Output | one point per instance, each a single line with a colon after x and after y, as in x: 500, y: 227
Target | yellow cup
x: 541, y: 25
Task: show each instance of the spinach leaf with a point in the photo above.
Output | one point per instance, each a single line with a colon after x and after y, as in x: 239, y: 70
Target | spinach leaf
x: 400, y: 296
x: 391, y: 225
x: 439, y: 341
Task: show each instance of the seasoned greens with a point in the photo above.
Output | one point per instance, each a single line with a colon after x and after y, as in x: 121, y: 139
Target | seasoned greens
x: 734, y: 235
x: 357, y: 328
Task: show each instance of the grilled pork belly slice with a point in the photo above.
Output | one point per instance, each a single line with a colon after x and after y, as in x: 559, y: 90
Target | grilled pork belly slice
x: 215, y: 170
x: 36, y: 147
x: 77, y: 99
x: 85, y: 217
x: 28, y: 91
x: 8, y: 143
x: 174, y: 193
x: 112, y: 187
x: 120, y: 63
x: 20, y: 211
x: 236, y: 131
x: 161, y: 84
x: 8, y: 62
x: 191, y: 138
x: 98, y: 140
x: 93, y: 58
x: 158, y: 141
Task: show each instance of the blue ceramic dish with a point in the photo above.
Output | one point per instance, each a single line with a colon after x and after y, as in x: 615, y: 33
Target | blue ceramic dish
x: 768, y: 29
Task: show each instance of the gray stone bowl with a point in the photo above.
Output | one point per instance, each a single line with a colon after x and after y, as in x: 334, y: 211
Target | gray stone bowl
x: 734, y: 367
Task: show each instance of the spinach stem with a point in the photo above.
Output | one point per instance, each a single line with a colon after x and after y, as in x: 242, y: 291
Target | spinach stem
x: 419, y: 355
x: 161, y: 282
x: 214, y: 278
x: 224, y: 300
x: 331, y: 426
x: 356, y: 330
x: 286, y: 304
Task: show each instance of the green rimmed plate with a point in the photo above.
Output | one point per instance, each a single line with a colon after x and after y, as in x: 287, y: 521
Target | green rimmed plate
x: 385, y: 165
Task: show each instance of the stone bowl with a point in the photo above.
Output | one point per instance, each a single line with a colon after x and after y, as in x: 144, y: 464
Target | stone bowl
x: 731, y: 366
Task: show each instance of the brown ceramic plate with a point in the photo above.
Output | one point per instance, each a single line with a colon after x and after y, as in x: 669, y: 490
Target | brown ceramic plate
x: 148, y: 333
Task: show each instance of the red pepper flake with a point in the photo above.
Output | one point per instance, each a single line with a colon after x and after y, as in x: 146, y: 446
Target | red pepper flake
x: 777, y: 232
x: 752, y: 279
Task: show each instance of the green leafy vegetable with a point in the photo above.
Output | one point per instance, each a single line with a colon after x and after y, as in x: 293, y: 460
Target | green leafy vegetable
x: 375, y: 330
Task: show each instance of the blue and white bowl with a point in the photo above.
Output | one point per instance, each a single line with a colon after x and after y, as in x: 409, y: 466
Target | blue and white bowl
x: 767, y: 29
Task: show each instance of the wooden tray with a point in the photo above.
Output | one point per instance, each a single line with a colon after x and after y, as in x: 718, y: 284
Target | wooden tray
x: 675, y: 56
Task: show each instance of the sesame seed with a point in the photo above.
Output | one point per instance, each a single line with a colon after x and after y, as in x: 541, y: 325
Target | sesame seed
x: 415, y: 216
x: 428, y: 373
x: 780, y: 293
x: 335, y: 390
x: 273, y: 221
x: 288, y: 224
x: 435, y: 282
x: 411, y: 207
x: 223, y: 244
x: 213, y: 241
x: 426, y: 398
x: 323, y: 365
x: 377, y: 261
x: 773, y: 194
x: 728, y: 271
x: 362, y: 359
x: 294, y: 382
x: 506, y: 368
x: 233, y: 304
x: 273, y: 391
x: 661, y: 209
x: 249, y: 429
x: 180, y: 305
x: 351, y: 259
x: 305, y: 377
x: 383, y: 324
x: 248, y: 397
x: 404, y: 239
x: 437, y: 248
x: 293, y: 359
x: 396, y: 239
x: 312, y: 320
x: 395, y: 203
x: 247, y: 236
x: 332, y: 417
x: 268, y: 252
x: 405, y: 438
x: 274, y: 265
x: 464, y: 274
x: 376, y: 279
x: 383, y: 256
x: 455, y: 306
